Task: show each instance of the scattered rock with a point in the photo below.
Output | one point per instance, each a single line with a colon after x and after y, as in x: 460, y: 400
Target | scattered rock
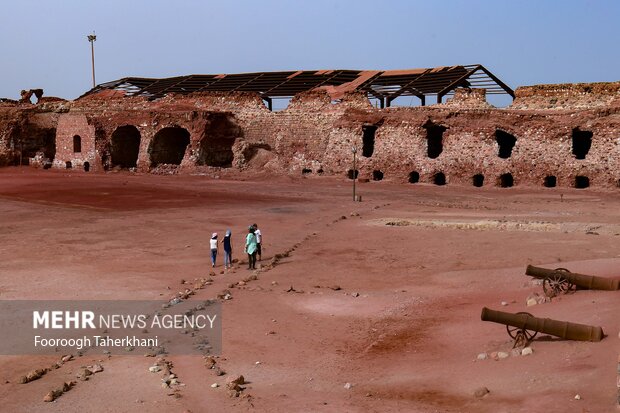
x: 515, y: 352
x: 504, y: 303
x: 67, y: 358
x: 502, y: 355
x: 481, y: 392
x: 154, y: 369
x: 577, y: 397
x: 215, y: 385
x: 355, y: 294
x: 33, y: 375
x: 348, y: 386
x: 482, y: 356
x: 335, y: 287
x: 83, y: 374
x: 527, y: 351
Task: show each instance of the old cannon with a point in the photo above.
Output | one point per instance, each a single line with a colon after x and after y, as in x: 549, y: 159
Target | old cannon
x: 562, y: 281
x: 523, y: 327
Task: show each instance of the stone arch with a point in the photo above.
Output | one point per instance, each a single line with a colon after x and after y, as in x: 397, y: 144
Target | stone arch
x: 439, y: 178
x: 125, y: 146
x: 220, y: 135
x: 506, y: 180
x: 377, y: 175
x: 414, y: 177
x: 169, y: 145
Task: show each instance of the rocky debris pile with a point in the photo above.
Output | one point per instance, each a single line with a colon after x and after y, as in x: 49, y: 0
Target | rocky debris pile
x: 86, y: 372
x: 480, y: 392
x: 500, y: 355
x: 211, y: 363
x: 57, y: 392
x: 234, y: 385
x: 165, y: 169
x: 169, y: 379
x: 38, y: 373
x: 536, y: 298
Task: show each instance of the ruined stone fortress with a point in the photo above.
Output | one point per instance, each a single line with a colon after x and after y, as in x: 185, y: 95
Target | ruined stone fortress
x: 550, y: 136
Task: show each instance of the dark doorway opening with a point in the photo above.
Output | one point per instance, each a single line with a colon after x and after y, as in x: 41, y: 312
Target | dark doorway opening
x: 77, y: 144
x: 86, y: 166
x: 506, y: 180
x: 125, y: 146
x: 377, y: 175
x: 439, y: 178
x: 169, y: 146
x: 414, y: 177
x: 306, y: 171
x: 582, y: 182
x: 478, y: 180
x: 434, y: 139
x: 505, y: 142
x: 550, y: 181
x: 368, y: 140
x: 68, y: 165
x: 220, y: 135
x: 351, y: 174
x: 582, y: 141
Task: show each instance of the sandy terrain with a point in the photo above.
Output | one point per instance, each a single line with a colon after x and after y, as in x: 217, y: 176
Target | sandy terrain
x: 415, y: 265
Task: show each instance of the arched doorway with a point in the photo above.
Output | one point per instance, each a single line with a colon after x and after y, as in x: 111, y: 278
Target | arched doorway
x: 220, y: 135
x: 168, y: 146
x: 125, y: 146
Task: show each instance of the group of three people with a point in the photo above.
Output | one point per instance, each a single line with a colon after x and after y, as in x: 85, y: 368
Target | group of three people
x: 253, y: 247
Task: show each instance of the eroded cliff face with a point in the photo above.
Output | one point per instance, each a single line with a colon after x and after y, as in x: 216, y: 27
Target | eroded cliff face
x: 552, y: 135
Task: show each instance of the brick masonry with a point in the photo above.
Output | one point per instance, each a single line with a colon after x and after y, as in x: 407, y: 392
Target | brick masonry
x: 316, y: 135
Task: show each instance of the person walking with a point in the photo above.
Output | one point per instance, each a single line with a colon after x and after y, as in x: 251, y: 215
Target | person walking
x: 213, y: 244
x: 259, y: 241
x: 227, y: 249
x: 250, y: 248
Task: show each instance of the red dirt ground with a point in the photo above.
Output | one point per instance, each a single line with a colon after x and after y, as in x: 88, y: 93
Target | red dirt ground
x: 409, y: 342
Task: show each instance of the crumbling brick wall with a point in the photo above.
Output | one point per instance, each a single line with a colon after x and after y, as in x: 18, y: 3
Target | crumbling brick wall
x: 316, y: 135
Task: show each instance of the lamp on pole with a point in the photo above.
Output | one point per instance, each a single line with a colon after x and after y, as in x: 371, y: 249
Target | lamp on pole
x: 354, y: 150
x: 92, y: 38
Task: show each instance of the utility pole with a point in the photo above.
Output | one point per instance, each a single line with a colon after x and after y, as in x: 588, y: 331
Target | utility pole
x: 354, y: 150
x: 92, y: 38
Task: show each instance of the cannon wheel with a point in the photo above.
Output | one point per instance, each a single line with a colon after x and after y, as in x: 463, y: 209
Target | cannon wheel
x: 556, y: 284
x: 521, y: 336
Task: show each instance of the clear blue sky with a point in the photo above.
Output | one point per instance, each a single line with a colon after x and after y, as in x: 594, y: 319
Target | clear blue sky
x: 43, y: 43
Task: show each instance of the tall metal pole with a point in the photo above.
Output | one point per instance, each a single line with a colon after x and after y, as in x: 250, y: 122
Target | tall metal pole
x: 354, y: 150
x: 92, y: 38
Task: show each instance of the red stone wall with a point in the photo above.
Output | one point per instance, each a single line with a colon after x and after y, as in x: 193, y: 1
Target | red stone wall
x: 316, y: 134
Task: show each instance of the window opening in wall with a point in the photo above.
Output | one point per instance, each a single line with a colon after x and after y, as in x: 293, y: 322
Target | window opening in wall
x: 77, y: 144
x: 582, y: 141
x: 505, y: 142
x: 368, y: 140
x: 582, y: 182
x: 439, y: 178
x: 478, y: 180
x: 550, y: 181
x: 352, y: 175
x: 434, y: 139
x: 506, y: 180
x: 414, y: 177
x: 377, y: 175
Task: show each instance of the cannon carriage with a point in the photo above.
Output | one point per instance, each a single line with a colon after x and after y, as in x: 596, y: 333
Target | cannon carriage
x: 562, y: 281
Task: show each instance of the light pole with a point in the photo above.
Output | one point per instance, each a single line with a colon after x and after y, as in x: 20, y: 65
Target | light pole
x: 354, y: 150
x: 92, y: 38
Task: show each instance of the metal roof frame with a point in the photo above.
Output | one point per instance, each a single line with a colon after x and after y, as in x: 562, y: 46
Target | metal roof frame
x: 382, y: 85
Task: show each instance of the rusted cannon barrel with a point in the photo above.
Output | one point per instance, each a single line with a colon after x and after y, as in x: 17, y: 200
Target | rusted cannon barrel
x: 589, y: 282
x: 562, y: 329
